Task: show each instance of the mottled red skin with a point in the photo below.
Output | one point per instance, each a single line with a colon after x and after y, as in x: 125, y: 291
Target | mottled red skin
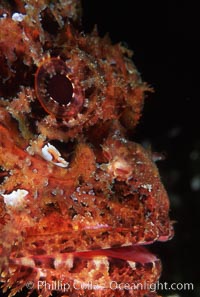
x: 74, y: 221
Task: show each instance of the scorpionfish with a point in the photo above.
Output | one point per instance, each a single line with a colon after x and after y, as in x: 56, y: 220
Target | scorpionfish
x: 79, y: 200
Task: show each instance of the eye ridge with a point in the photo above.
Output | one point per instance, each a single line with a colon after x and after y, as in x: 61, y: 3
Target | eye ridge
x: 55, y: 90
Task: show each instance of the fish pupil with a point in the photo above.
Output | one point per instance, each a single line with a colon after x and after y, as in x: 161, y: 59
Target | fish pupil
x: 60, y: 89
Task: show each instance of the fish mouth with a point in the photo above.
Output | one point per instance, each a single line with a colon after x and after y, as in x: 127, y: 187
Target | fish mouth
x: 137, y: 253
x: 50, y: 254
x: 105, y: 269
x: 134, y: 253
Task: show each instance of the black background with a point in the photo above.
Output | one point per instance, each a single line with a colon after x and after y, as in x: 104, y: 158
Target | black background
x: 164, y: 36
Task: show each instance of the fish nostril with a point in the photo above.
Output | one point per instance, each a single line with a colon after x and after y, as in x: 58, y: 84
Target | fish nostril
x: 48, y: 21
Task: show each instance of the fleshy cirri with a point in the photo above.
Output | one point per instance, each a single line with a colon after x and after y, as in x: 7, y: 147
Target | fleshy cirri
x: 78, y: 199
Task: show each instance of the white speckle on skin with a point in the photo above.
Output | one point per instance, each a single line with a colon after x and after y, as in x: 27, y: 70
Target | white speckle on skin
x: 3, y: 16
x: 78, y: 189
x: 147, y: 187
x: 54, y: 192
x: 91, y: 192
x: 30, y: 150
x: 28, y: 162
x: 123, y: 140
x: 46, y: 182
x: 71, y: 123
x: 35, y: 196
x: 132, y: 264
x: 15, y: 198
x: 18, y: 17
x: 73, y: 197
x: 51, y: 154
x: 139, y: 162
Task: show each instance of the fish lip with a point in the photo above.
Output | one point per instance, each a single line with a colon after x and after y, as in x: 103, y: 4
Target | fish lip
x: 132, y: 253
x: 158, y: 238
x: 137, y: 252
